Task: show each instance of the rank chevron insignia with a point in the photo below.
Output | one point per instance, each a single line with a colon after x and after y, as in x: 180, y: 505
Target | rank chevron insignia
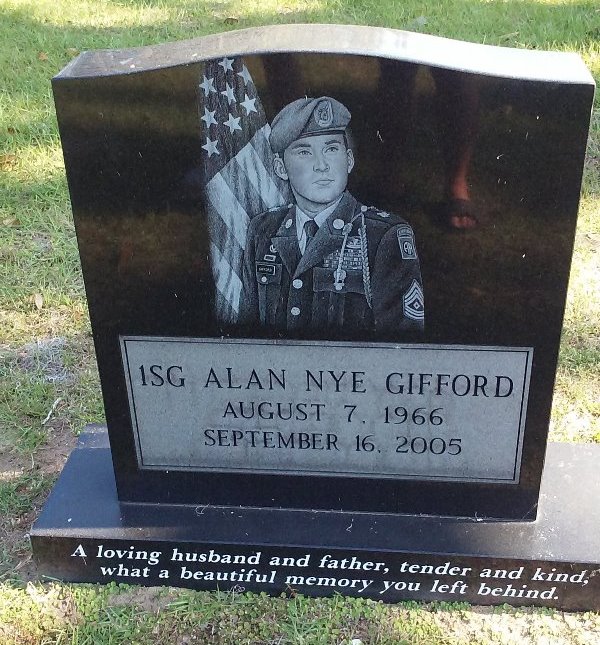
x: 413, y: 302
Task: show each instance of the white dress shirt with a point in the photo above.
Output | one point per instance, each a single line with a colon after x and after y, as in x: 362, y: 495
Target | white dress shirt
x: 302, y: 218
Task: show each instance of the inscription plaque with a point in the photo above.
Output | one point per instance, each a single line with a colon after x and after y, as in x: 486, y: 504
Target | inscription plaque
x: 348, y: 409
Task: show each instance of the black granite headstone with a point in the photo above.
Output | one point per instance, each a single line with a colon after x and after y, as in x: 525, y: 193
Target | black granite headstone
x: 326, y: 285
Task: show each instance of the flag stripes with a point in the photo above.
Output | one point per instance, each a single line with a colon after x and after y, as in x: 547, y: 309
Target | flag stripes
x: 228, y: 282
x: 225, y: 204
x: 239, y: 181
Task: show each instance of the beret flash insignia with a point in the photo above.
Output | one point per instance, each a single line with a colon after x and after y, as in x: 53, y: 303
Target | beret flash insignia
x: 324, y: 114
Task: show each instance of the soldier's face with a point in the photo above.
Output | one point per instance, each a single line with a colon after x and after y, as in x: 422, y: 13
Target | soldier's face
x: 317, y: 168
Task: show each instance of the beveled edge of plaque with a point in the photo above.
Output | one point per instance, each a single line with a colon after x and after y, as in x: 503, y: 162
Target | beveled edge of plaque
x: 124, y: 338
x: 337, y: 343
x: 384, y: 42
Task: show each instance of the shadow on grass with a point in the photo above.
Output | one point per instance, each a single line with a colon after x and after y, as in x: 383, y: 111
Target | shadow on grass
x: 521, y: 24
x: 36, y: 49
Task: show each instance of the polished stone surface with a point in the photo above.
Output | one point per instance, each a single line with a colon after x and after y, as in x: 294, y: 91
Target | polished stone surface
x: 83, y: 512
x: 135, y: 149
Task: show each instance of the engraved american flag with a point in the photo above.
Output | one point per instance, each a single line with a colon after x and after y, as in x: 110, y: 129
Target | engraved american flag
x: 238, y: 170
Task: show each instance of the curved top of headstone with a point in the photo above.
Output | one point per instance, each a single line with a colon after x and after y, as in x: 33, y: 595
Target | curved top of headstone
x: 564, y: 67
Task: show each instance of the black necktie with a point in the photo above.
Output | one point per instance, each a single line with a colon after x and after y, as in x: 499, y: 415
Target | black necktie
x: 310, y: 230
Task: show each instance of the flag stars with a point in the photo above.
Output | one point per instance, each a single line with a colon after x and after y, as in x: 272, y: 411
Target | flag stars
x: 207, y: 85
x: 248, y: 104
x: 245, y: 74
x: 211, y: 147
x: 233, y: 123
x: 228, y: 92
x: 209, y: 117
x: 226, y: 64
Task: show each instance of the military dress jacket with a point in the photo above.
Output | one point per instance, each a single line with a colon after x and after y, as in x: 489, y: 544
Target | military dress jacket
x: 375, y: 287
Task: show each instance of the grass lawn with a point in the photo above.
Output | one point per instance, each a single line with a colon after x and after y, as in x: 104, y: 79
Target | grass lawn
x: 48, y: 381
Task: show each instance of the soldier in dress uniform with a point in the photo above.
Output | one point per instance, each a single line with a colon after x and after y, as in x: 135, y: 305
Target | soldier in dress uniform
x: 327, y: 262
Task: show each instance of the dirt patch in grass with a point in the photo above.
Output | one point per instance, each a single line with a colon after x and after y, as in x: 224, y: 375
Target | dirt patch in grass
x: 148, y: 599
x: 51, y: 599
x: 525, y: 626
x: 45, y: 356
x: 51, y: 457
x: 30, y: 478
x: 47, y: 460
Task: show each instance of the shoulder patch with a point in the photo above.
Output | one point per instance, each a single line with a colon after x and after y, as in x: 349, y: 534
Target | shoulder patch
x: 413, y: 303
x: 406, y: 241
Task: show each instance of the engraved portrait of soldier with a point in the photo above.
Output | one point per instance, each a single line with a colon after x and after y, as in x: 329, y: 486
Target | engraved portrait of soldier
x: 326, y: 262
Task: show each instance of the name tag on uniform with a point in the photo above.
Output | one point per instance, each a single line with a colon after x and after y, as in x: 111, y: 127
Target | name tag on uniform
x: 263, y: 268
